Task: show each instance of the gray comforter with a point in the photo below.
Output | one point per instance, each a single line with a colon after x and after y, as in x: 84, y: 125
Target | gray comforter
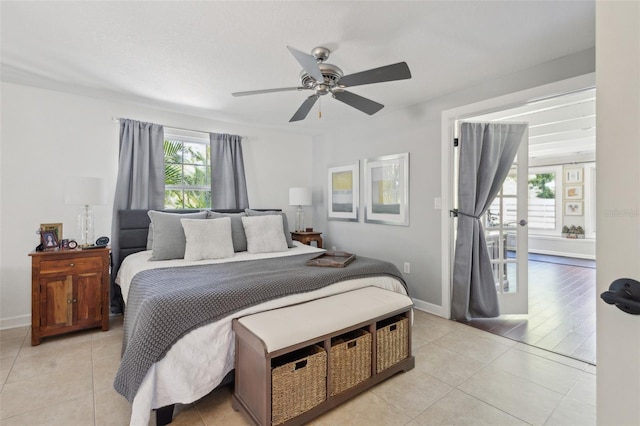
x: 165, y: 304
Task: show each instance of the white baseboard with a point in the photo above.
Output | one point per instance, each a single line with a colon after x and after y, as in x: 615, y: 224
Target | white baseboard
x: 430, y: 308
x: 13, y: 322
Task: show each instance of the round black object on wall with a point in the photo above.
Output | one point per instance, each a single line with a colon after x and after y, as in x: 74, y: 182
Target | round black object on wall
x: 102, y: 241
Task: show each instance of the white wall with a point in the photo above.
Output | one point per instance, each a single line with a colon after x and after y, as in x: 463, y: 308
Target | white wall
x: 618, y: 207
x: 47, y: 135
x: 416, y: 130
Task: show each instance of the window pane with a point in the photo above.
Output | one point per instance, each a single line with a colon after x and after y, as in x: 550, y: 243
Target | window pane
x: 172, y: 174
x: 194, y: 199
x: 195, y: 176
x: 510, y: 185
x: 195, y: 153
x: 542, y: 200
x: 173, y: 151
x: 173, y: 199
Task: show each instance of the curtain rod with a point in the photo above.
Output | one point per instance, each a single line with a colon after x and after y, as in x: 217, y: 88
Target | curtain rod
x: 117, y: 120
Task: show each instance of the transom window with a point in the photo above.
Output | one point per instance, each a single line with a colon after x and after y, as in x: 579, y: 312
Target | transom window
x: 187, y: 166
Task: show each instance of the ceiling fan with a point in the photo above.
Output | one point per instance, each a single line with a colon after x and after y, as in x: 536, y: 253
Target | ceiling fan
x: 323, y: 78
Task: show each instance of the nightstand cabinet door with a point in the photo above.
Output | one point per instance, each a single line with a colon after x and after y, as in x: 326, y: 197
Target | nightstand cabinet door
x: 56, y: 295
x: 70, y: 291
x: 88, y: 295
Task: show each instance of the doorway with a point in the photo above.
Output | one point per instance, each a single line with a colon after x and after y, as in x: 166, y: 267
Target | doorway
x: 562, y: 221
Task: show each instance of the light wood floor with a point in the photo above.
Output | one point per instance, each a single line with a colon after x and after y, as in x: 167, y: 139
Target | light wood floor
x: 562, y: 312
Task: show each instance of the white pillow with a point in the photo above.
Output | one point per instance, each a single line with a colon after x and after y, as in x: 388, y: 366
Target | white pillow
x: 207, y: 238
x: 265, y: 234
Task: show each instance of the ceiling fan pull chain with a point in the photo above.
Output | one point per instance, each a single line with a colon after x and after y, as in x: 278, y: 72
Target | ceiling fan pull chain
x: 319, y: 108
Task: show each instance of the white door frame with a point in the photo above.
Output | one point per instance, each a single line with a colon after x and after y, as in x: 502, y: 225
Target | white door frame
x: 448, y: 134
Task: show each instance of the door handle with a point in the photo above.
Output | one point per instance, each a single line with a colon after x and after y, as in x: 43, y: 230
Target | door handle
x: 522, y: 222
x: 625, y: 294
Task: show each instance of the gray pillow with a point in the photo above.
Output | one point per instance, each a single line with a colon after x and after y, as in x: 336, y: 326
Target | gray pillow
x: 169, y: 240
x: 237, y: 230
x: 150, y: 237
x: 285, y: 223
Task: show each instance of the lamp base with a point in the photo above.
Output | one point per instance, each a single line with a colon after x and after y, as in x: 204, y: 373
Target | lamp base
x: 299, y: 219
x: 85, y: 227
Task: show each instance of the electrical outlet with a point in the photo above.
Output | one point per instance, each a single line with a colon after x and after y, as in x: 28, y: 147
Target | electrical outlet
x: 407, y: 268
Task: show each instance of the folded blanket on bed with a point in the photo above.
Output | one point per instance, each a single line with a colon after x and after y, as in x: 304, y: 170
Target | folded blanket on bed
x: 165, y: 304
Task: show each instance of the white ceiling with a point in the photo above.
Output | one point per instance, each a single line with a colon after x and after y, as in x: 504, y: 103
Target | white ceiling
x: 189, y: 56
x: 561, y: 128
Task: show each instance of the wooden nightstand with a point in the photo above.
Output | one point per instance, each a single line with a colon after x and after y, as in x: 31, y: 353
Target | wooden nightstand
x: 69, y: 291
x: 307, y: 237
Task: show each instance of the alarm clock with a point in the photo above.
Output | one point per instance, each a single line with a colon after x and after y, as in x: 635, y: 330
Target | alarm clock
x: 102, y: 241
x: 72, y: 244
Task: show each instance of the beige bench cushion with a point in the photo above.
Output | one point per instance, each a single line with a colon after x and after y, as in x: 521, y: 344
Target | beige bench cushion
x: 284, y: 327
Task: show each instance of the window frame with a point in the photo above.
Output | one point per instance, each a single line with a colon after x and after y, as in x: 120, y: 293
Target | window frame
x: 559, y: 188
x: 188, y: 137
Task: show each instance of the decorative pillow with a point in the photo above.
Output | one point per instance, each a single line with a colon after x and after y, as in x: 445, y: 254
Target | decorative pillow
x: 150, y: 237
x: 207, y: 239
x: 237, y: 230
x: 264, y: 234
x: 285, y: 222
x: 168, y: 236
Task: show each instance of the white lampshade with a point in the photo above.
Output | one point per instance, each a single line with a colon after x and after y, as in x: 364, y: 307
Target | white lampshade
x: 85, y: 191
x: 299, y: 196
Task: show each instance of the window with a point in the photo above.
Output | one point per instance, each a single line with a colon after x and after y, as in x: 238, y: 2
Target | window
x: 187, y: 165
x: 543, y: 196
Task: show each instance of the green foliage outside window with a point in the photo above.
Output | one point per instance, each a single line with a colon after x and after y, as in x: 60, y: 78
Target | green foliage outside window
x: 540, y: 181
x: 187, y: 175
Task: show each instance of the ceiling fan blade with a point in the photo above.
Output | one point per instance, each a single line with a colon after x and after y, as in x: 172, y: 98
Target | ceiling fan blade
x: 399, y: 71
x: 304, y: 109
x: 308, y: 62
x: 358, y: 102
x: 260, y: 92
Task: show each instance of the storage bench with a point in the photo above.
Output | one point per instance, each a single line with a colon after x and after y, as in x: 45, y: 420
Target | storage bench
x: 319, y: 354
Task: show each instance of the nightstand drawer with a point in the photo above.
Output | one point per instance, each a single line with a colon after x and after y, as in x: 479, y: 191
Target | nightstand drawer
x: 70, y: 266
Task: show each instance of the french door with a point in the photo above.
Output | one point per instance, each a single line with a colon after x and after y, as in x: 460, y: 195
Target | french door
x: 506, y: 234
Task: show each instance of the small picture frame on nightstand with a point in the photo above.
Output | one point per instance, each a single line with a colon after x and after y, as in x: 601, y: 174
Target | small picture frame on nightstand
x: 49, y: 240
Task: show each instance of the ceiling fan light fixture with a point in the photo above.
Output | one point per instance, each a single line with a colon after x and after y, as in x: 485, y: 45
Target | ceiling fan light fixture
x: 325, y: 78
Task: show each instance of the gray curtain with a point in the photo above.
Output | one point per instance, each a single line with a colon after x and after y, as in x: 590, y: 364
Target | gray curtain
x: 228, y: 183
x: 487, y: 151
x: 140, y: 183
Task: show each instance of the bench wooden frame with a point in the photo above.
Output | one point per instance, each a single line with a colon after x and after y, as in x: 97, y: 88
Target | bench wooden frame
x: 252, y: 394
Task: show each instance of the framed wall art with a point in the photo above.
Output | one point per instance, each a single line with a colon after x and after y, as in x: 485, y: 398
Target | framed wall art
x: 343, y: 200
x: 573, y: 208
x: 573, y: 192
x: 573, y: 174
x: 386, y: 186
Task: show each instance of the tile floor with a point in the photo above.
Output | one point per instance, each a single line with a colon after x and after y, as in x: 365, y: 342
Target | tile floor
x: 463, y: 376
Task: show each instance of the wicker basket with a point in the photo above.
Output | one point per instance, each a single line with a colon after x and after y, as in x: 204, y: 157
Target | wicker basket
x: 393, y: 341
x: 350, y: 360
x: 298, y: 383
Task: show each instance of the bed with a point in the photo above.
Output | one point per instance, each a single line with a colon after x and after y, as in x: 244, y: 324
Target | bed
x: 167, y: 360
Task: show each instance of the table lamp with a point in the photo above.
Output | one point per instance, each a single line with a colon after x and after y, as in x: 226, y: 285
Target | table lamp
x: 299, y: 197
x: 87, y: 192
